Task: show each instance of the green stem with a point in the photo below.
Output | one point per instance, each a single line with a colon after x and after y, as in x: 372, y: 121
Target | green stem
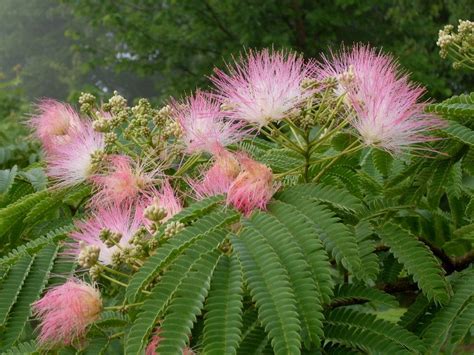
x: 113, y: 271
x: 105, y: 276
x: 188, y: 163
x: 116, y: 335
x: 111, y: 308
x: 348, y: 150
x: 280, y: 138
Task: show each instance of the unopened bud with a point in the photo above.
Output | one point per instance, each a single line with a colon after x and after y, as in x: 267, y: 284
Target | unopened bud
x: 173, y: 228
x: 109, y: 238
x: 88, y: 255
x: 155, y: 213
x: 101, y: 125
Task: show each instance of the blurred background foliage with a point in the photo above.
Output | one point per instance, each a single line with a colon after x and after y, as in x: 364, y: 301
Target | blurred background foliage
x: 158, y: 48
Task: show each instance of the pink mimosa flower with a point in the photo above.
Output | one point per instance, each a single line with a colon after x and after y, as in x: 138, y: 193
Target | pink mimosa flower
x: 219, y: 177
x: 264, y: 87
x: 125, y: 181
x: 66, y: 311
x: 388, y: 114
x: 72, y: 162
x: 253, y: 188
x: 123, y: 220
x: 204, y: 125
x: 54, y: 124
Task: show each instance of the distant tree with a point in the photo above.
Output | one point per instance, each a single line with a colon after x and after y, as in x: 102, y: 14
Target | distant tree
x: 33, y: 45
x: 181, y: 40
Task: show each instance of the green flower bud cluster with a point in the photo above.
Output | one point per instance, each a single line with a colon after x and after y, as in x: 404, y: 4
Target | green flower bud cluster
x: 97, y: 159
x: 109, y: 238
x: 138, y: 126
x: 87, y: 102
x: 162, y: 116
x: 95, y: 272
x: 88, y: 255
x: 173, y: 228
x: 459, y: 45
x: 118, y: 108
x: 155, y: 213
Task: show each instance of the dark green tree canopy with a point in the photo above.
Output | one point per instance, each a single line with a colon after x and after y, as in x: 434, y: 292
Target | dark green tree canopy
x: 182, y: 40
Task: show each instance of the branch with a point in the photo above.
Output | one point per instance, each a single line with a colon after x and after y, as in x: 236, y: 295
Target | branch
x: 347, y: 302
x: 449, y: 264
x: 402, y: 285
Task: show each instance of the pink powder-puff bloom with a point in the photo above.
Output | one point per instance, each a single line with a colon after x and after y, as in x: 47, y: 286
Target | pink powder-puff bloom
x: 253, y: 188
x: 219, y: 177
x: 204, y: 125
x: 72, y: 162
x: 387, y: 111
x: 66, y: 311
x: 152, y: 346
x: 125, y: 181
x: 264, y: 87
x: 54, y: 124
x: 123, y: 220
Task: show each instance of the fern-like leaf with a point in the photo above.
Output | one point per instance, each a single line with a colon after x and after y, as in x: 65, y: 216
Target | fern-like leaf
x: 270, y: 288
x: 337, y: 238
x: 254, y: 339
x: 164, y: 290
x: 186, y: 304
x: 416, y: 310
x: 459, y: 132
x: 223, y: 317
x: 30, y: 292
x: 11, y: 286
x: 169, y: 251
x: 16, y: 211
x: 418, y: 261
x: 337, y: 197
x: 382, y: 161
x: 304, y: 233
x: 435, y: 335
x: 26, y: 348
x: 345, y: 293
x: 36, y: 245
x: 364, y: 331
x: 299, y: 272
x: 463, y: 323
x: 7, y: 177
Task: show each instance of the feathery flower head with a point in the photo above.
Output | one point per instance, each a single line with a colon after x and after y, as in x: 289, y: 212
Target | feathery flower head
x: 163, y: 203
x: 54, y: 124
x: 66, y: 311
x: 122, y: 221
x: 219, y: 177
x: 204, y: 125
x: 253, y: 188
x: 387, y: 112
x: 264, y: 87
x: 73, y: 162
x: 125, y: 181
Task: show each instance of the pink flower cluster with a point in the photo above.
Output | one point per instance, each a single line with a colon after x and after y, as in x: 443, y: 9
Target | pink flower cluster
x: 264, y: 87
x: 69, y: 142
x: 248, y: 184
x: 66, y: 311
x: 387, y: 110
